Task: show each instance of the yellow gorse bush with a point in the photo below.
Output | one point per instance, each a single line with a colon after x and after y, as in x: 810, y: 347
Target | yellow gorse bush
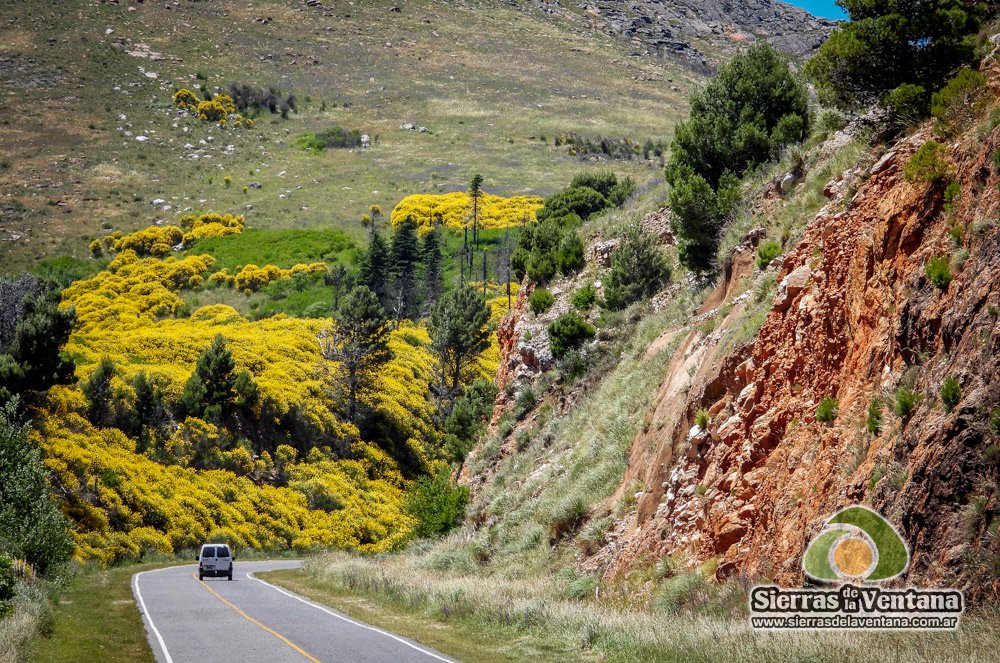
x: 211, y: 225
x: 151, y: 241
x: 455, y: 210
x: 220, y: 109
x: 168, y: 508
x: 252, y: 278
x: 186, y: 99
x: 133, y: 292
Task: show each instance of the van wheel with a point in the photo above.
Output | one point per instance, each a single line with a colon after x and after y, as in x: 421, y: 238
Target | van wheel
x: 201, y: 576
x: 230, y: 576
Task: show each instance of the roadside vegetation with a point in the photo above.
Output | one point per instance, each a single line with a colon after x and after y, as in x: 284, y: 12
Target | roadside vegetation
x: 547, y: 477
x: 281, y: 381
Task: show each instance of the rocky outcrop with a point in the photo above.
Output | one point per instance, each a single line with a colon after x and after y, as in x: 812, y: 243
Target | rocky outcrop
x: 855, y: 318
x: 678, y: 28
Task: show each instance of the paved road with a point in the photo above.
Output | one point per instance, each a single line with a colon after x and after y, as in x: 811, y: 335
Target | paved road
x: 250, y: 621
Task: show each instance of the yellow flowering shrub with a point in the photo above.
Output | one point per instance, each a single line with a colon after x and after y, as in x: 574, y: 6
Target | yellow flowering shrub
x: 211, y: 225
x: 455, y: 210
x: 167, y: 508
x: 125, y: 504
x: 151, y: 241
x: 132, y: 292
x: 186, y: 99
x: 220, y: 109
x: 252, y: 277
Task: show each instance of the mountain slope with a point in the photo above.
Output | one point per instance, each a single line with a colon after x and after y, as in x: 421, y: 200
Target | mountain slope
x: 855, y: 318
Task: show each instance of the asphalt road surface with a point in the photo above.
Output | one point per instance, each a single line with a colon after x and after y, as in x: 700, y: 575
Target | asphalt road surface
x: 251, y: 621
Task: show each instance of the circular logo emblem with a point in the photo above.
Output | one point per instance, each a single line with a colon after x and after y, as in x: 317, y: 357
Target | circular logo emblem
x: 856, y: 545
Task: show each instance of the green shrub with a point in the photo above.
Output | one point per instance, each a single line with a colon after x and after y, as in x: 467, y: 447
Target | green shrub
x: 827, y: 410
x: 766, y: 252
x: 621, y: 192
x: 578, y: 587
x: 928, y: 165
x: 951, y: 195
x: 566, y: 518
x: 536, y: 252
x: 526, y: 400
x: 580, y: 200
x: 467, y: 418
x: 541, y: 300
x: 33, y: 528
x: 570, y: 258
x: 701, y: 419
x: 602, y: 183
x: 874, y: 422
x: 8, y: 585
x: 906, y: 105
x: 569, y: 331
x: 685, y: 593
x: 951, y: 393
x: 938, y: 272
x: 638, y: 269
x: 572, y: 365
x: 957, y: 234
x: 906, y: 402
x: 437, y: 504
x: 584, y: 298
x: 960, y: 98
x: 746, y: 114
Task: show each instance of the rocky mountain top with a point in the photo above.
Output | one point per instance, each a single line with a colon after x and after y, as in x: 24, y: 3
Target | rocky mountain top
x: 692, y: 30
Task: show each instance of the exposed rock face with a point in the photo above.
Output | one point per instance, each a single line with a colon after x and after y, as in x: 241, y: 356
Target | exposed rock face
x: 854, y: 318
x: 674, y: 27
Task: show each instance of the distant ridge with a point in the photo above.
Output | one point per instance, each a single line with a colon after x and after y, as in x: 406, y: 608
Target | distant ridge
x: 696, y: 30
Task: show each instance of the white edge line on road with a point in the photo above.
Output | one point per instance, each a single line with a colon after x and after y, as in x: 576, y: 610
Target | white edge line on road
x: 145, y: 613
x: 348, y: 619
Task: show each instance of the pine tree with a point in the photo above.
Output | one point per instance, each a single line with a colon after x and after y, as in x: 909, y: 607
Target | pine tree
x: 147, y: 409
x: 339, y: 278
x: 212, y: 386
x: 638, y: 269
x: 32, y: 331
x: 359, y: 343
x: 475, y: 189
x: 459, y: 329
x: 433, y: 276
x: 375, y: 267
x: 33, y: 528
x: 404, y: 258
x: 98, y: 391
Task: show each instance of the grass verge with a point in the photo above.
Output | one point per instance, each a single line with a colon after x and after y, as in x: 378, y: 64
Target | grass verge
x: 479, y: 618
x: 462, y: 638
x: 96, y: 619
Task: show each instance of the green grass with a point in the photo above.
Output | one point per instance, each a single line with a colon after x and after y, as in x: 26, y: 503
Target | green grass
x: 463, y: 638
x: 96, y: 619
x: 439, y: 594
x: 284, y: 248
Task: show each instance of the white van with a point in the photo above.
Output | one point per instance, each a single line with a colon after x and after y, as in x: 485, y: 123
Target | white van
x: 215, y: 559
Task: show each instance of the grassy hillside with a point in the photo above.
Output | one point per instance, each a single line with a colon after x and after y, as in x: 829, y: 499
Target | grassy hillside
x: 493, y: 86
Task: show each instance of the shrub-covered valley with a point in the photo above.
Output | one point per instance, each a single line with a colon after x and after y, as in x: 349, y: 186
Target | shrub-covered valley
x: 500, y: 321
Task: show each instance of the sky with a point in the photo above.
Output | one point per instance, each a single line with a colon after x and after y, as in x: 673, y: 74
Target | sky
x: 824, y: 8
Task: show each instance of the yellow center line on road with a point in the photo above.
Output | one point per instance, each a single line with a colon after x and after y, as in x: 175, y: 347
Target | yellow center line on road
x: 300, y: 650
